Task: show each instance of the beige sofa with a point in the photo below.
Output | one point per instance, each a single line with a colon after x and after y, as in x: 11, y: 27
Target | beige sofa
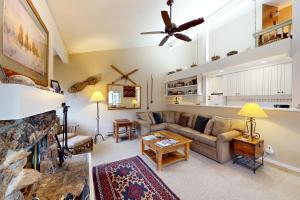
x: 215, y: 145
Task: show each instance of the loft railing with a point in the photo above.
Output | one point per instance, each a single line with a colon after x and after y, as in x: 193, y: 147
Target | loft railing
x: 274, y: 33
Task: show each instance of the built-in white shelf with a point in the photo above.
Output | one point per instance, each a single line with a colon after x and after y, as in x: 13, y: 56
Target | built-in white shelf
x: 271, y: 52
x: 21, y: 101
x: 183, y: 87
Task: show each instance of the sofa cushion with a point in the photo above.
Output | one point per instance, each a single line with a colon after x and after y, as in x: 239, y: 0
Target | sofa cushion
x: 183, y: 120
x: 209, y: 126
x: 144, y: 116
x: 169, y: 117
x: 221, y: 125
x: 157, y: 127
x: 238, y: 125
x: 177, y: 116
x: 157, y: 117
x: 173, y: 127
x: 188, y: 132
x: 200, y: 123
x: 206, y: 139
x: 191, y: 118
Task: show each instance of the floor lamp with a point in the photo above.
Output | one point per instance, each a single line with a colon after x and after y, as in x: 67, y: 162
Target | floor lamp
x: 97, y: 97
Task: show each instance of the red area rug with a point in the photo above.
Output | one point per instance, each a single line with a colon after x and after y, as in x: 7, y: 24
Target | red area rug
x: 129, y: 179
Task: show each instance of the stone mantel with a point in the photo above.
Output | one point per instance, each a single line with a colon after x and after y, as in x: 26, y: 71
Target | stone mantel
x: 21, y: 101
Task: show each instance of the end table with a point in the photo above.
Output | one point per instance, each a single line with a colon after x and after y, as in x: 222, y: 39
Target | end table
x: 248, y: 152
x: 123, y: 123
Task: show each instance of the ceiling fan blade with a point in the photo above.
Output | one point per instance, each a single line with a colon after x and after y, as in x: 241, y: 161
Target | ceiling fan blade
x: 164, y: 40
x: 153, y: 32
x: 190, y: 24
x: 166, y: 18
x: 182, y: 37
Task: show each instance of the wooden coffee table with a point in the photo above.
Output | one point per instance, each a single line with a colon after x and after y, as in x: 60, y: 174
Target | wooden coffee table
x: 163, y: 156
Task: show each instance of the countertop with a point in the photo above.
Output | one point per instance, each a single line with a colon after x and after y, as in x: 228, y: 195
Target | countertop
x: 237, y: 107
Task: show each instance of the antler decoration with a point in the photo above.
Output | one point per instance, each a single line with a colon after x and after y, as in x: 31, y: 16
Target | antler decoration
x: 77, y: 87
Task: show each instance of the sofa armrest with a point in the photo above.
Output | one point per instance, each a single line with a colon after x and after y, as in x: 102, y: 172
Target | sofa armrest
x: 143, y: 123
x: 228, y: 136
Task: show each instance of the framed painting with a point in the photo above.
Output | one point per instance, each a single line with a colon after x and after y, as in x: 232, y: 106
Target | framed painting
x: 25, y: 40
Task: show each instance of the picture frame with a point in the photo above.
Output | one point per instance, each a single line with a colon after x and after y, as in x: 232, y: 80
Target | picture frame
x: 55, y: 85
x: 24, y: 41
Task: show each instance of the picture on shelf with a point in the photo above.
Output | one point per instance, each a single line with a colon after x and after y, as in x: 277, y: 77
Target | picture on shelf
x: 55, y: 85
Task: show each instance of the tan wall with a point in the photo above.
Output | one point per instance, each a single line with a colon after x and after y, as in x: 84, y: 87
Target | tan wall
x: 285, y: 14
x: 149, y: 60
x: 281, y: 130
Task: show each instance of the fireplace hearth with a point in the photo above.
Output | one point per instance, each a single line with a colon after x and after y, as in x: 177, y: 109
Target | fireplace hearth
x: 27, y: 147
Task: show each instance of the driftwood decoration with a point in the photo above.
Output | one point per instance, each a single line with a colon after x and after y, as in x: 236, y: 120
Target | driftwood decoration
x: 77, y: 87
x: 124, y: 76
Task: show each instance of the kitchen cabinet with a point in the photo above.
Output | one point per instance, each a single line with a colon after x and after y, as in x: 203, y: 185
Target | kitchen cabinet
x: 265, y: 81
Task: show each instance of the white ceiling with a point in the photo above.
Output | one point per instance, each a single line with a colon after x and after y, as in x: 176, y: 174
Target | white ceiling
x: 91, y: 25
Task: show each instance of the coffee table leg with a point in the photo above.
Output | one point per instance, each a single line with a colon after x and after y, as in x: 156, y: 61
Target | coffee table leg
x: 159, y: 160
x: 142, y: 147
x: 187, y: 151
x: 117, y: 134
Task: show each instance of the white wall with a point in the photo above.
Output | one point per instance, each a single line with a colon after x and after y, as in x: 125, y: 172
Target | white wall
x: 149, y: 60
x: 235, y: 35
x: 296, y: 53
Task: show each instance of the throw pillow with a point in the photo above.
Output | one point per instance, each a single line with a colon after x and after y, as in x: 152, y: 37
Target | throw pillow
x: 201, y: 123
x: 157, y: 117
x: 191, y: 118
x: 209, y: 126
x: 221, y: 125
x: 151, y: 117
x: 183, y: 120
x: 145, y: 117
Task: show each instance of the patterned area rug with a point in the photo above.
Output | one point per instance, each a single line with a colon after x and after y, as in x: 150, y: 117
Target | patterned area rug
x: 129, y: 179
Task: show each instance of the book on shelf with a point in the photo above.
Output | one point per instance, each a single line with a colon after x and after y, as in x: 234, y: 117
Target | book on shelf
x: 166, y: 143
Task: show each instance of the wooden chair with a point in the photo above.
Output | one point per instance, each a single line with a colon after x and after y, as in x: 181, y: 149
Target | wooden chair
x: 77, y: 144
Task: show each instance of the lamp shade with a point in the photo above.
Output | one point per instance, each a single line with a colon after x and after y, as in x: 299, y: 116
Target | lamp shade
x: 134, y: 102
x: 97, y: 97
x: 252, y: 110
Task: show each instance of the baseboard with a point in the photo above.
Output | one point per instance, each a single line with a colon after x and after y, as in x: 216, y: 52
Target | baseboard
x: 283, y: 165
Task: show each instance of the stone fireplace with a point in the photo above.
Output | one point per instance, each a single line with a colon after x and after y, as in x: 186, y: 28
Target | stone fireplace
x: 27, y: 150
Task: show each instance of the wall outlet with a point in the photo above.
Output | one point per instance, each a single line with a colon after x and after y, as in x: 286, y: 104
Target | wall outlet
x: 269, y: 150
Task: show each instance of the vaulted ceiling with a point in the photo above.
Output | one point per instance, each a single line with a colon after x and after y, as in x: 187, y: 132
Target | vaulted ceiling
x: 91, y: 25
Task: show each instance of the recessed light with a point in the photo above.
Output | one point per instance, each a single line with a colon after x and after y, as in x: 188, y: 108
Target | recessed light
x: 222, y: 70
x: 263, y: 61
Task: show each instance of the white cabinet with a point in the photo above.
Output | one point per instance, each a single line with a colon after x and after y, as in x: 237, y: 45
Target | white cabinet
x: 281, y: 79
x: 271, y: 80
x: 215, y: 85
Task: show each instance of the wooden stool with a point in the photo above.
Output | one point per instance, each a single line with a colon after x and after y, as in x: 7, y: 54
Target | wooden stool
x: 123, y: 123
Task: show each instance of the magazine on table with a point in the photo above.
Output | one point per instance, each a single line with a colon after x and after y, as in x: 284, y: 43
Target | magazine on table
x: 149, y: 137
x: 166, y: 143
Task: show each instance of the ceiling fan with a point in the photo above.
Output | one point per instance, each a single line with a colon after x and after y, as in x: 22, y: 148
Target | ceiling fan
x: 171, y: 29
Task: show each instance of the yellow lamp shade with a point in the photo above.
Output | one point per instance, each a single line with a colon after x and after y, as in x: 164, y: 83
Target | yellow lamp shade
x: 134, y: 102
x: 97, y: 97
x: 252, y: 110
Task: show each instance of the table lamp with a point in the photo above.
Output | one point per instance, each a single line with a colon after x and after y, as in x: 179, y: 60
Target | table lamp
x: 134, y: 103
x: 97, y: 97
x: 252, y: 111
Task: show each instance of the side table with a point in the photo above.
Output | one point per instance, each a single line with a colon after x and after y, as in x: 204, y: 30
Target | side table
x: 123, y: 123
x: 248, y: 152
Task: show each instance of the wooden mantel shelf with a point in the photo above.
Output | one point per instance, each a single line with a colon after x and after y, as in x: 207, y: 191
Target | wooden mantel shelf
x: 21, y: 101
